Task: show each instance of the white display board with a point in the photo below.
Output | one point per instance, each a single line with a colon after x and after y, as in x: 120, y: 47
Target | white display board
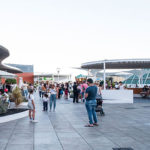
x: 117, y: 96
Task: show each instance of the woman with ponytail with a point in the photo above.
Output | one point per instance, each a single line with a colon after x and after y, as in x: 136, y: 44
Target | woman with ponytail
x: 31, y: 106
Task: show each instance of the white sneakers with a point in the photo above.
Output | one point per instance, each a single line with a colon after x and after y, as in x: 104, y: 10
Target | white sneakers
x: 34, y: 121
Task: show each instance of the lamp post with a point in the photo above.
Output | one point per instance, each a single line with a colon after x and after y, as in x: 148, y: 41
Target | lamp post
x: 58, y: 71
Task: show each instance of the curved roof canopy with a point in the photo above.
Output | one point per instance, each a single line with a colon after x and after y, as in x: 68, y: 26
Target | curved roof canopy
x: 4, y: 53
x: 118, y: 64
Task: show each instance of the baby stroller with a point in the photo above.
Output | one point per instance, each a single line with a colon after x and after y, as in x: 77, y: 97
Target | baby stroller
x: 99, y: 107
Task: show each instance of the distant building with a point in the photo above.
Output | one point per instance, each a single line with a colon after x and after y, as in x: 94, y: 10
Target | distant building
x: 28, y: 72
x: 24, y: 68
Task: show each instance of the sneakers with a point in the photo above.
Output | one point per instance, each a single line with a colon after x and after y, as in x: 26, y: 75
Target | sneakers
x: 34, y: 121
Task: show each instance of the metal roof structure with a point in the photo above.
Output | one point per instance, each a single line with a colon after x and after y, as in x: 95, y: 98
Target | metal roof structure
x: 4, y: 53
x: 118, y: 64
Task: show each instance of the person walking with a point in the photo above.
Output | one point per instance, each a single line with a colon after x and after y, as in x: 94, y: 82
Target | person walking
x: 25, y: 89
x: 84, y: 86
x: 40, y: 89
x: 75, y: 93
x: 43, y: 89
x: 53, y: 97
x: 45, y: 102
x: 31, y: 106
x: 66, y: 91
x: 90, y: 96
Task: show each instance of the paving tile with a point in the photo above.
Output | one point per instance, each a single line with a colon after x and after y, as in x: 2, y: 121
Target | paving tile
x: 47, y: 147
x: 76, y: 147
x: 64, y: 129
x: 19, y: 147
x: 21, y: 138
x: 99, y: 140
x: 45, y: 141
x: 2, y: 146
x: 68, y: 135
x: 73, y: 140
x: 103, y: 147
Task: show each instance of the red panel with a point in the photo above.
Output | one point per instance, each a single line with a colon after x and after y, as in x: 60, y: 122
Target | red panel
x: 27, y: 76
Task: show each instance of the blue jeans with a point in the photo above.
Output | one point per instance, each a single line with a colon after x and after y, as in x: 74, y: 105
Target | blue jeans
x: 53, y: 101
x: 90, y: 107
x: 25, y: 93
x: 40, y: 93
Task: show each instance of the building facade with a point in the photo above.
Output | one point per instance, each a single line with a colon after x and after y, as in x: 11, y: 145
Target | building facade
x: 28, y: 72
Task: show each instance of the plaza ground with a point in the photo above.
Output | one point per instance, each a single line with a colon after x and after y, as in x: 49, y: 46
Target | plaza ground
x: 125, y: 125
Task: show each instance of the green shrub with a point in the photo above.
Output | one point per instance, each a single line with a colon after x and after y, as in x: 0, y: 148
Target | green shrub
x: 10, y: 81
x: 113, y: 85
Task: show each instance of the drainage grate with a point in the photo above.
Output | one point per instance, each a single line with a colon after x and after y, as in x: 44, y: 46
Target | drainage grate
x: 122, y: 148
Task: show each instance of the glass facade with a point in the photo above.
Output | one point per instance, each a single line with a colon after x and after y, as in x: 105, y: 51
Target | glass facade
x: 135, y: 79
x: 24, y: 68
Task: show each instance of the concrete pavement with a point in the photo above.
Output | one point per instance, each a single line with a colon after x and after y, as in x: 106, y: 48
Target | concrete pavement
x: 125, y: 125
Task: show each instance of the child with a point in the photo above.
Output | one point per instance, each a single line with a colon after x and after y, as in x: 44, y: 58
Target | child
x: 31, y: 106
x: 45, y: 102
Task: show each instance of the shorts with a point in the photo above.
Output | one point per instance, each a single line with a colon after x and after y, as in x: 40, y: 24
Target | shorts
x: 30, y: 106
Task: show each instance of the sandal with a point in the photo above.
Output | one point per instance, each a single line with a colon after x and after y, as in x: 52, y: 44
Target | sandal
x: 95, y: 124
x: 89, y: 125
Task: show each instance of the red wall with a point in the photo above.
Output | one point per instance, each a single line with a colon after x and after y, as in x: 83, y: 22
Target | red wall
x: 3, y: 80
x: 27, y: 76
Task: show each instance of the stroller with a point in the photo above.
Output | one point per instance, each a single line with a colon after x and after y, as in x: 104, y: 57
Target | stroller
x: 99, y: 107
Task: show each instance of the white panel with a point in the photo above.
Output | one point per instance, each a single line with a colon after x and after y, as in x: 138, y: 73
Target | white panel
x: 117, y: 96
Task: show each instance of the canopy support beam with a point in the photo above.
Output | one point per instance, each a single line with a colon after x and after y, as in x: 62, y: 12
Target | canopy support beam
x: 104, y: 67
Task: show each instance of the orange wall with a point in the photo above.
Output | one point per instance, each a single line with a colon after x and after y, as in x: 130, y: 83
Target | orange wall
x: 27, y: 76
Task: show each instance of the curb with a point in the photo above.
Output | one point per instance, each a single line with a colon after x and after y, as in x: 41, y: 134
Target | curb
x: 13, y: 117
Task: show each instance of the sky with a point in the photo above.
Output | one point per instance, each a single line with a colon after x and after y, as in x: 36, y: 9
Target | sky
x: 62, y: 34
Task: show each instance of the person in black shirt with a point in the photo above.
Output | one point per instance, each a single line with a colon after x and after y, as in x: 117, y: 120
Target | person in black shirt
x: 90, y: 104
x: 75, y: 93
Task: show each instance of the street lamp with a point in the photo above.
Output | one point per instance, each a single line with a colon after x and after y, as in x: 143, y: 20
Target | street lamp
x: 58, y: 71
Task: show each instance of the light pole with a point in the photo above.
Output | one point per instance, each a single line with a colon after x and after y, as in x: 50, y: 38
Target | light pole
x: 58, y: 71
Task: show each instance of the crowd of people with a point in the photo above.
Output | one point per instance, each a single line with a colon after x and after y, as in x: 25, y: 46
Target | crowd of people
x: 50, y: 92
x: 86, y: 92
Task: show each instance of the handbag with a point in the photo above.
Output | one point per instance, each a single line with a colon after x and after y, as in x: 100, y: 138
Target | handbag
x: 99, y: 96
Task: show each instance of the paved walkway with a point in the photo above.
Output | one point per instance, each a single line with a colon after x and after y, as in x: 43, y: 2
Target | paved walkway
x: 123, y: 126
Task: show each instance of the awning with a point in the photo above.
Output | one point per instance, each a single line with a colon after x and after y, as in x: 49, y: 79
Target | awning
x: 118, y: 64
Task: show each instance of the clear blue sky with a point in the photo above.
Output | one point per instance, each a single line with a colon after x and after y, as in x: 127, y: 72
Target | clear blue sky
x: 64, y: 33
